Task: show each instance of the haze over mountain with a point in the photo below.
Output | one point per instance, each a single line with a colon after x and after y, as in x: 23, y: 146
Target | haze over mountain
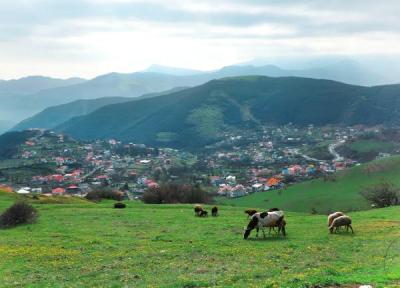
x: 200, y: 115
x: 19, y: 106
x: 34, y: 84
x: 55, y: 115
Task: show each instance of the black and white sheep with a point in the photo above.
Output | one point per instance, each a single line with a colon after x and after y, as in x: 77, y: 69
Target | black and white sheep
x: 260, y: 220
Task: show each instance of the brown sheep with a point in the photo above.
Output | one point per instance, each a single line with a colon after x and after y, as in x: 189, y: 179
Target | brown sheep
x: 332, y: 217
x: 339, y: 222
x: 197, y: 210
x: 214, y: 211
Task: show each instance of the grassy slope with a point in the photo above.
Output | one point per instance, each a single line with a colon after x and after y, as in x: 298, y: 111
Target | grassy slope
x: 363, y: 146
x: 342, y: 194
x: 93, y: 245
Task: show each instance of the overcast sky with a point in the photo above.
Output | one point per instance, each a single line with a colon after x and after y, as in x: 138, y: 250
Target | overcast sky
x: 86, y: 38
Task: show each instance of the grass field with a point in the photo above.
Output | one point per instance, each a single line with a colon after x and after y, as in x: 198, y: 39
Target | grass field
x: 362, y: 146
x: 326, y: 196
x: 94, y: 245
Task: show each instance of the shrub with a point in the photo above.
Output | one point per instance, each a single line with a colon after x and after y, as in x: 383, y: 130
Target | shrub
x: 383, y: 194
x: 119, y: 205
x: 19, y: 213
x: 97, y: 195
x: 175, y: 193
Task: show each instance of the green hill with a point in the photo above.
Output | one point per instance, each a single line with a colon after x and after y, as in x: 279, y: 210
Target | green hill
x: 94, y: 245
x: 199, y: 115
x: 326, y: 196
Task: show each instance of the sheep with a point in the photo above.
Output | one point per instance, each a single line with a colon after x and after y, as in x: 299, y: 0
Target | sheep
x: 197, y: 210
x: 341, y: 221
x: 214, y: 211
x: 273, y: 210
x: 250, y: 212
x: 332, y: 217
x: 203, y: 213
x: 119, y: 205
x: 266, y: 219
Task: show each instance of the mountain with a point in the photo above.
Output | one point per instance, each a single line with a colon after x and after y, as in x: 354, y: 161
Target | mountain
x: 199, y: 115
x: 20, y: 106
x: 34, y: 84
x: 55, y: 115
x: 10, y: 141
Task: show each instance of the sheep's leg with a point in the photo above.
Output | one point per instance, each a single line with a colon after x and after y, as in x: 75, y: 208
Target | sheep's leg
x: 352, y: 232
x: 263, y: 230
x: 258, y: 229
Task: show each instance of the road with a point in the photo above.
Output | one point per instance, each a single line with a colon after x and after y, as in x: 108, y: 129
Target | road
x: 331, y: 148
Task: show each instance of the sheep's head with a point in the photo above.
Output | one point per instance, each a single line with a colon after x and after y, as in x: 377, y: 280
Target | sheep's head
x: 252, y: 224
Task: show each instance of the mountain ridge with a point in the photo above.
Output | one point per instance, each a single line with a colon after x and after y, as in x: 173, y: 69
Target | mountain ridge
x: 198, y: 116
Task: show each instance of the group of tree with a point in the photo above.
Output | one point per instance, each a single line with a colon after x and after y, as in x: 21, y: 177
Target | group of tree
x: 383, y: 194
x: 176, y: 193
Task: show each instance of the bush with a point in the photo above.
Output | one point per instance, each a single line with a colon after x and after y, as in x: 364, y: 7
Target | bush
x: 174, y: 193
x: 19, y: 213
x: 119, y: 205
x: 97, y: 195
x: 383, y: 194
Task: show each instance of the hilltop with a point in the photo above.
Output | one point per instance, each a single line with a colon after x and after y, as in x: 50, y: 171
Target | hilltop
x: 339, y: 192
x: 86, y: 244
x: 200, y: 115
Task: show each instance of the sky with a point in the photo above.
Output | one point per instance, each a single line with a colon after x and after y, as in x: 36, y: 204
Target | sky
x: 64, y: 38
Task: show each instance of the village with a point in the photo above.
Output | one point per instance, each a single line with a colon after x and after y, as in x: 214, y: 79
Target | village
x: 241, y: 163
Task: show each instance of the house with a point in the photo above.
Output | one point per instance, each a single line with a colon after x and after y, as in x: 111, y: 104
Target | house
x: 237, y: 191
x: 257, y: 187
x: 274, y: 183
x: 5, y: 188
x: 73, y: 189
x: 58, y: 191
x: 231, y: 179
x: 216, y: 180
x: 25, y: 190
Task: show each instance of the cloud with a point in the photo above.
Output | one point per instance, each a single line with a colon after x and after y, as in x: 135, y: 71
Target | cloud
x: 94, y: 35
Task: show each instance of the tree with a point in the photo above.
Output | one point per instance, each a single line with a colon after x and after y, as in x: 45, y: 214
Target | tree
x: 383, y: 194
x: 176, y: 193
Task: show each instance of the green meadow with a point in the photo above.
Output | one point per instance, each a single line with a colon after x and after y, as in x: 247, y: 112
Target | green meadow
x: 341, y: 192
x: 83, y: 244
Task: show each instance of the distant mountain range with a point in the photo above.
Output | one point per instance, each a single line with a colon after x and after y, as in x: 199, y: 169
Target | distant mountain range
x: 197, y: 116
x: 27, y: 96
x: 53, y: 116
x: 34, y: 84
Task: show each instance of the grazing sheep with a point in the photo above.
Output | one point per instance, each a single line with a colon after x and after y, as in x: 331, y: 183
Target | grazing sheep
x: 250, y: 212
x: 203, y: 213
x: 341, y: 221
x: 273, y: 210
x: 266, y: 219
x: 119, y: 205
x: 332, y: 217
x: 214, y: 211
x: 197, y: 210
